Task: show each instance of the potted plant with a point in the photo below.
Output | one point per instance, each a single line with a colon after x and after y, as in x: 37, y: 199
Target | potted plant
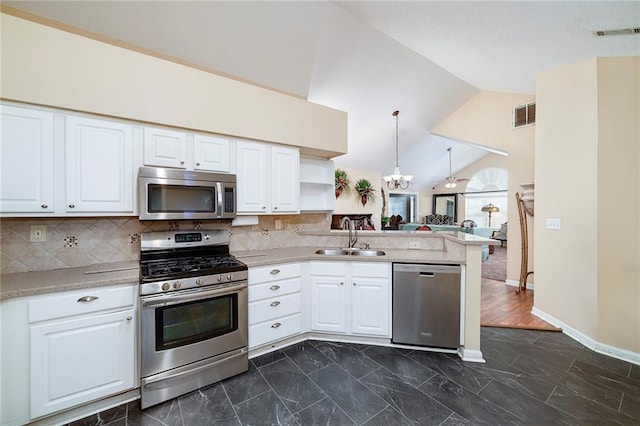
x: 365, y: 191
x: 342, y: 183
x: 385, y: 221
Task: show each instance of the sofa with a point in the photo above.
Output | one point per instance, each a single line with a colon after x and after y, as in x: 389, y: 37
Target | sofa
x: 481, y: 231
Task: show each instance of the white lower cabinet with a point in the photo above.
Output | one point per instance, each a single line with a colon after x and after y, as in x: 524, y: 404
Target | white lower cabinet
x: 275, y: 303
x: 351, y: 297
x: 82, y: 347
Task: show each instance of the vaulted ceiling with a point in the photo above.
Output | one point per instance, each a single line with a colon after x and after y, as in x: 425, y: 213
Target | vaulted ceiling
x: 425, y: 59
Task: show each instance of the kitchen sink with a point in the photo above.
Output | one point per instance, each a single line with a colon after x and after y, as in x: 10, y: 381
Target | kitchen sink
x: 350, y: 252
x: 333, y: 252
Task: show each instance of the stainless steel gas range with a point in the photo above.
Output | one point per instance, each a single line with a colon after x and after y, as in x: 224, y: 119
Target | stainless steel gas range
x: 193, y: 313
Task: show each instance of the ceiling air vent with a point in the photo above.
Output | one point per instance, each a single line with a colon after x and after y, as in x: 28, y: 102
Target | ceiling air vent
x: 623, y: 31
x: 524, y: 115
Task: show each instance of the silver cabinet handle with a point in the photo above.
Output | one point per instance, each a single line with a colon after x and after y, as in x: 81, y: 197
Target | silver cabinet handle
x: 341, y: 283
x: 44, y: 206
x: 129, y: 318
x: 264, y: 208
x: 274, y: 287
x: 275, y: 271
x: 88, y: 299
x: 197, y: 164
x: 182, y: 162
x: 71, y: 206
x: 275, y: 208
x: 354, y: 284
x: 274, y: 304
x: 276, y: 325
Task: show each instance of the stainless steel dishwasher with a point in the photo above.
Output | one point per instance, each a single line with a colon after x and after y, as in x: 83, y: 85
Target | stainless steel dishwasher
x: 426, y: 305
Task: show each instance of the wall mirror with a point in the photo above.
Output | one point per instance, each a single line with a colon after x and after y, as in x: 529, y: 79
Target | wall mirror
x: 446, y: 204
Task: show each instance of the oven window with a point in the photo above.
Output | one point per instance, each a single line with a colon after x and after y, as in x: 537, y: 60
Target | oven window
x: 193, y: 322
x: 176, y: 198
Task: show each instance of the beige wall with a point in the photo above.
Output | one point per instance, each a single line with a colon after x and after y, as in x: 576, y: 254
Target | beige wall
x: 47, y: 66
x: 486, y: 119
x: 586, y: 161
x: 350, y: 203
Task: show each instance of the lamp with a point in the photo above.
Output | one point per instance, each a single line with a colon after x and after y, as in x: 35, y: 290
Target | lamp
x: 397, y: 180
x: 491, y: 209
x: 451, y: 181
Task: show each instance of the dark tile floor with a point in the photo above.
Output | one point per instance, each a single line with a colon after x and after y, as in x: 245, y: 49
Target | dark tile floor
x: 531, y: 377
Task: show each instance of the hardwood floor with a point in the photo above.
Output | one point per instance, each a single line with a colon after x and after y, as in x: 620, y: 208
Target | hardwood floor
x: 502, y: 307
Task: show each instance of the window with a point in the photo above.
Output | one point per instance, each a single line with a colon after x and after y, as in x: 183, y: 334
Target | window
x: 491, y: 187
x: 404, y: 204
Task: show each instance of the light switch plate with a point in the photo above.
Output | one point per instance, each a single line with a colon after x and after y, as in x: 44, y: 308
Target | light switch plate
x: 553, y: 223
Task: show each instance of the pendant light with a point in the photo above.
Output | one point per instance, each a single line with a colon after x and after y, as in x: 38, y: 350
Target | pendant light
x: 451, y: 181
x: 397, y: 180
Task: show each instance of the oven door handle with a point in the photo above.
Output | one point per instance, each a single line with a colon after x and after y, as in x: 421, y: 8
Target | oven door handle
x: 173, y: 299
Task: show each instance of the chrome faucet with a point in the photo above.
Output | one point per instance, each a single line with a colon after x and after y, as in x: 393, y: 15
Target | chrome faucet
x: 353, y: 239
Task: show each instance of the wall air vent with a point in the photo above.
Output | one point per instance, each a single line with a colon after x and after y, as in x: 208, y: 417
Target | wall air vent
x: 524, y: 115
x: 623, y: 31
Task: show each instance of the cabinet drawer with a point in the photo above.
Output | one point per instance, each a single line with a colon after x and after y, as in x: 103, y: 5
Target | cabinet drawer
x: 268, y: 309
x: 370, y: 269
x: 277, y: 329
x: 70, y: 303
x: 272, y: 289
x: 274, y: 272
x: 333, y: 269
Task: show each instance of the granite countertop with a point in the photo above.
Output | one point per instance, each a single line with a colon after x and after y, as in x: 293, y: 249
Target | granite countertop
x: 459, y: 237
x: 254, y: 258
x: 41, y: 282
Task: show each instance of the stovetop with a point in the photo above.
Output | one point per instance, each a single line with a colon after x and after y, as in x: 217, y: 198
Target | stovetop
x: 163, y: 269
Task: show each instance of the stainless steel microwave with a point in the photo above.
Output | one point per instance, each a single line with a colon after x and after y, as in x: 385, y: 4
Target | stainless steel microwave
x: 172, y: 194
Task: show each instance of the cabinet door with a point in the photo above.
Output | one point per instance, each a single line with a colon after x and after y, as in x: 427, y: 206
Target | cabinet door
x: 26, y: 164
x: 370, y: 306
x: 328, y: 304
x: 251, y: 175
x: 99, y: 166
x: 164, y: 148
x: 76, y: 361
x: 211, y: 153
x: 285, y: 180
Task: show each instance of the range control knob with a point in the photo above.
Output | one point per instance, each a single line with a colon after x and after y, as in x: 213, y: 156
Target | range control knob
x: 177, y: 284
x: 199, y: 281
x: 229, y: 277
x: 166, y: 286
x: 220, y: 278
x: 206, y: 236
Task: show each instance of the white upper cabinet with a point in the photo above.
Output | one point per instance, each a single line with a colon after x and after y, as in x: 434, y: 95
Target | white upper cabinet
x: 317, y: 184
x: 99, y: 165
x: 181, y: 150
x: 285, y: 176
x: 267, y: 178
x: 27, y: 161
x: 211, y: 153
x: 165, y: 148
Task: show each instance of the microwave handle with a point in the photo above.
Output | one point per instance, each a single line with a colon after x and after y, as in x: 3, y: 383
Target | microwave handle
x: 220, y: 194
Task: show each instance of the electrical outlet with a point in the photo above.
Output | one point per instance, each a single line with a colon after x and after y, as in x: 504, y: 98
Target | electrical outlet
x: 414, y: 244
x: 38, y: 233
x: 553, y: 224
x: 278, y: 224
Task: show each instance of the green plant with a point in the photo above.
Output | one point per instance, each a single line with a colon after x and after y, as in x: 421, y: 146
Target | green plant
x: 384, y: 220
x: 342, y: 183
x: 365, y: 191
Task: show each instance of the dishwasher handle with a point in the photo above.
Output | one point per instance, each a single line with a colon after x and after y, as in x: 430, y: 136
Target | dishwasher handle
x: 428, y: 274
x: 425, y: 269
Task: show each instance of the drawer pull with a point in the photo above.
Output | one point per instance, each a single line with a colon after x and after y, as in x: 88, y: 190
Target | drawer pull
x: 275, y: 271
x: 87, y: 299
x: 274, y: 287
x: 276, y: 325
x: 274, y: 304
x: 129, y: 318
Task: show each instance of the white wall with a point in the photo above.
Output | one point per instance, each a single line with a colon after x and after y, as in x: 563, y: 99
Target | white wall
x: 350, y: 203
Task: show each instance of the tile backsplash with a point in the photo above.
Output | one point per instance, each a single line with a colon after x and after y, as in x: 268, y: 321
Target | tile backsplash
x: 72, y: 242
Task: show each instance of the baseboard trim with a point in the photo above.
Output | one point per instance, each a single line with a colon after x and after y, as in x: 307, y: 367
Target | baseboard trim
x: 471, y: 355
x: 612, y: 351
x: 515, y: 283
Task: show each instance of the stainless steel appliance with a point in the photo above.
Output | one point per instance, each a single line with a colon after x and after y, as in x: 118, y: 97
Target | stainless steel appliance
x: 193, y: 313
x: 426, y: 305
x: 171, y: 194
